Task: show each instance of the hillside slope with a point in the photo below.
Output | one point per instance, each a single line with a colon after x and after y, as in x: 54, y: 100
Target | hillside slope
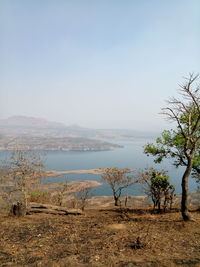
x: 101, y: 237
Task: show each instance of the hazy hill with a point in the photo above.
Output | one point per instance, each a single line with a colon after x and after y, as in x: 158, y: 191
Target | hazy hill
x: 40, y: 134
x: 29, y: 122
x: 22, y: 125
x: 36, y: 133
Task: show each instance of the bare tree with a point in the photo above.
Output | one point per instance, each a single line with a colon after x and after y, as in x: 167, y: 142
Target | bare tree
x: 83, y: 195
x: 183, y: 143
x: 24, y: 170
x: 118, y: 181
x: 59, y: 196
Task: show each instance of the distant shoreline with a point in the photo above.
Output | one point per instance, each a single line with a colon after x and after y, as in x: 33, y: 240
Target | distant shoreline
x: 49, y: 173
x: 63, y: 149
x: 58, y: 173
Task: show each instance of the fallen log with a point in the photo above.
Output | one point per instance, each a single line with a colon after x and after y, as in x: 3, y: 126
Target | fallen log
x: 52, y: 209
x: 46, y: 211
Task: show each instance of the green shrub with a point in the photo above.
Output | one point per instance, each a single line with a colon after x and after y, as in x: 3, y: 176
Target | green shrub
x: 39, y: 196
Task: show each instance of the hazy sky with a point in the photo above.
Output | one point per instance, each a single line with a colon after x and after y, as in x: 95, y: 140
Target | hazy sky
x: 97, y: 63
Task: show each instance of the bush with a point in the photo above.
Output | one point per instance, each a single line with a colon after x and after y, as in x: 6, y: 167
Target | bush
x: 39, y: 196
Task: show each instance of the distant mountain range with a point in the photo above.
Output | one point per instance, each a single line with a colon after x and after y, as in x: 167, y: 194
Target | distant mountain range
x: 29, y: 122
x: 35, y: 133
x: 20, y: 132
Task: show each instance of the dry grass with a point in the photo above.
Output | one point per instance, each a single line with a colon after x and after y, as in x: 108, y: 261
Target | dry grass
x: 101, y: 237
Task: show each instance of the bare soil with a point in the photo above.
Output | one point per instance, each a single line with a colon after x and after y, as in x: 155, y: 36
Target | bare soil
x: 101, y: 237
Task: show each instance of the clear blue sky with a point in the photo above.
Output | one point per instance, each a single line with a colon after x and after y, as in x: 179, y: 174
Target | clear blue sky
x: 97, y: 63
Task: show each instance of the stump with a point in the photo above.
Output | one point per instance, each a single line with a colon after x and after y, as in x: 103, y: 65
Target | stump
x: 18, y: 209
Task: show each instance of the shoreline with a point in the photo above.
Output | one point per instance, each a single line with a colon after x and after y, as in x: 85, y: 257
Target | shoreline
x: 49, y: 173
x: 72, y: 187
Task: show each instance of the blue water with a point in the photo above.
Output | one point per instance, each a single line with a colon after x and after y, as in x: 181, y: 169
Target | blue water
x: 130, y: 156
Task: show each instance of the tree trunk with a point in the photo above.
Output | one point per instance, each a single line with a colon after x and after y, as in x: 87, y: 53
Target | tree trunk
x: 159, y: 206
x: 171, y: 200
x: 165, y: 204
x: 116, y: 198
x: 184, y: 200
x: 25, y: 197
x: 18, y: 209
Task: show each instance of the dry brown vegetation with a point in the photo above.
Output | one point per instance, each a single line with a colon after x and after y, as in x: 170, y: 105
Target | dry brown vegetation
x: 101, y: 237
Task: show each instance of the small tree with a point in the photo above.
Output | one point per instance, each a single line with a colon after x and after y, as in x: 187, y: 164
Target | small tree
x: 183, y: 143
x: 157, y: 187
x: 25, y: 170
x: 59, y: 196
x: 118, y: 181
x: 83, y: 195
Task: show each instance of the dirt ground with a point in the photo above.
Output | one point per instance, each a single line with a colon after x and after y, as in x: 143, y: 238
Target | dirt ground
x: 101, y: 237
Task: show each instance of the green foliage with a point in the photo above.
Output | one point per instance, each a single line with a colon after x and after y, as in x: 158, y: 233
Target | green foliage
x: 171, y: 144
x: 160, y: 182
x: 156, y: 180
x: 58, y: 198
x: 60, y: 195
x: 183, y: 143
x: 39, y: 196
x: 157, y: 185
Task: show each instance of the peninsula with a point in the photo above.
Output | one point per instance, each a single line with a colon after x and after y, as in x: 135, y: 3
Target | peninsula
x: 27, y: 133
x: 49, y: 173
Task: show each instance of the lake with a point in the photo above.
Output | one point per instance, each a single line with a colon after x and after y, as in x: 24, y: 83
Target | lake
x: 130, y: 156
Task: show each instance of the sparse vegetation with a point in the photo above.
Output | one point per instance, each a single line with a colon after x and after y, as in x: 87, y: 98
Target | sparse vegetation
x: 81, y: 86
x: 59, y: 196
x: 158, y: 188
x: 40, y: 196
x: 100, y: 237
x: 82, y: 196
x: 183, y: 143
x: 111, y: 236
x: 118, y: 180
x: 24, y: 173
